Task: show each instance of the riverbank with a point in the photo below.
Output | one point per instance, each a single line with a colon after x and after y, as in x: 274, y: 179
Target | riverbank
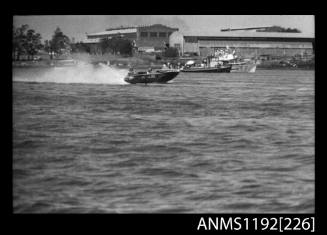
x: 145, y: 60
x: 289, y: 65
x: 116, y: 60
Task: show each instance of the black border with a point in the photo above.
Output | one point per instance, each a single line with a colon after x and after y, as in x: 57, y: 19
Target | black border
x: 149, y: 223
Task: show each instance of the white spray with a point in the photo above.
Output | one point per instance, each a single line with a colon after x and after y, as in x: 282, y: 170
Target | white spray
x: 82, y: 73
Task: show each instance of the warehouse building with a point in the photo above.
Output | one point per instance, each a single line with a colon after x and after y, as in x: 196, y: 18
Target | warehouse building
x: 247, y: 44
x: 145, y: 38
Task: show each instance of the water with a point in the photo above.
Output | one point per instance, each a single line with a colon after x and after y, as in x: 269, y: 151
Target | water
x: 86, y: 142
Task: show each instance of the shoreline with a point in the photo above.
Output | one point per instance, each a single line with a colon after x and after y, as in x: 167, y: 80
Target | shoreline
x: 142, y: 61
x: 38, y: 65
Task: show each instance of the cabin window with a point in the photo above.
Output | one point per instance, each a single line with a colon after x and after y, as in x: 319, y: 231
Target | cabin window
x: 153, y: 34
x: 162, y: 34
x: 144, y: 34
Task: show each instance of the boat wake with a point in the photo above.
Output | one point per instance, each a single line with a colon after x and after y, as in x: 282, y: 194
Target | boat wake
x: 82, y: 73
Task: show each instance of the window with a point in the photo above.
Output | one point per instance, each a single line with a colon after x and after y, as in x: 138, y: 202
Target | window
x: 153, y: 34
x: 162, y: 34
x: 144, y: 34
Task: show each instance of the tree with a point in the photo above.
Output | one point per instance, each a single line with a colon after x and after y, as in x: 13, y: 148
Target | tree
x: 19, y: 40
x: 116, y: 45
x: 46, y: 45
x: 80, y: 47
x: 125, y: 47
x: 33, y: 43
x: 25, y: 41
x: 60, y: 43
x: 106, y: 45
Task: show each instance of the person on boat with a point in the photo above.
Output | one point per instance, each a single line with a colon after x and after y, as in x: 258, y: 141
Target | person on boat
x: 149, y: 70
x: 164, y: 66
x: 131, y: 70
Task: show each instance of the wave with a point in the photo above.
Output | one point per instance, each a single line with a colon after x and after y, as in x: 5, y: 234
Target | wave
x: 82, y: 73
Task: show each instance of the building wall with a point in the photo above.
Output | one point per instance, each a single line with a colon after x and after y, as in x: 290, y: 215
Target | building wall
x: 154, y: 36
x: 158, y: 35
x: 191, y: 47
x: 253, y: 44
x: 157, y: 43
x: 126, y: 35
x: 247, y: 47
x: 176, y: 40
x: 251, y: 48
x: 257, y: 51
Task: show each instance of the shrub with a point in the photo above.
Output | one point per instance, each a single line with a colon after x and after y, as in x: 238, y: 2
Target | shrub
x: 171, y: 52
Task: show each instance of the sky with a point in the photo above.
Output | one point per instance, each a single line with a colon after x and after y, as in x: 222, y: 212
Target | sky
x: 76, y: 26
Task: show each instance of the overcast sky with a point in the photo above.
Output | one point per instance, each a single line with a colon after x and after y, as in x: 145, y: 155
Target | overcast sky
x: 76, y: 26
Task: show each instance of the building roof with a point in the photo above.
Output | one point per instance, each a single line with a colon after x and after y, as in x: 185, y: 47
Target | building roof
x: 129, y: 29
x: 120, y: 27
x: 251, y: 28
x: 157, y: 25
x: 114, y: 31
x: 250, y: 34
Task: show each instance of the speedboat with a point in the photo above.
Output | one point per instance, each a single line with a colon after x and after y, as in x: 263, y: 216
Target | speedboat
x: 159, y: 76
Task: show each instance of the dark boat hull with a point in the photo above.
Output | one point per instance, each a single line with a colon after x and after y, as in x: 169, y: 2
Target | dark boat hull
x: 223, y: 69
x: 156, y: 77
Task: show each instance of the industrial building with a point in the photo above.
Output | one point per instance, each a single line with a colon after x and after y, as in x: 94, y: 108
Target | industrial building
x: 247, y: 44
x: 145, y: 38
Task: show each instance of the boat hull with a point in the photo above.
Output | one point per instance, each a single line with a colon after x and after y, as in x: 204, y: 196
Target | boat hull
x: 156, y: 77
x: 223, y: 69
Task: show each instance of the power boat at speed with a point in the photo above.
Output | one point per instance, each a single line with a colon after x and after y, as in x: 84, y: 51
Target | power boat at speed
x: 158, y: 76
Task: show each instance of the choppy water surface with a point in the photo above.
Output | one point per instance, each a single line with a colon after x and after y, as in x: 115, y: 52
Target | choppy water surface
x: 220, y: 143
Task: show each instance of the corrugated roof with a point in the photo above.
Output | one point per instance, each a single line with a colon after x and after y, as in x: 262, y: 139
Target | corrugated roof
x: 116, y: 31
x: 249, y: 34
x: 157, y: 25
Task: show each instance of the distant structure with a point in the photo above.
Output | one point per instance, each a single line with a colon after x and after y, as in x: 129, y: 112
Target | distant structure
x: 246, y: 43
x: 276, y: 29
x: 253, y: 29
x: 279, y: 29
x: 147, y: 38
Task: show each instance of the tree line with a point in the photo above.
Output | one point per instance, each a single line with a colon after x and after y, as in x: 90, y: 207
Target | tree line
x: 27, y: 42
x: 117, y: 45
